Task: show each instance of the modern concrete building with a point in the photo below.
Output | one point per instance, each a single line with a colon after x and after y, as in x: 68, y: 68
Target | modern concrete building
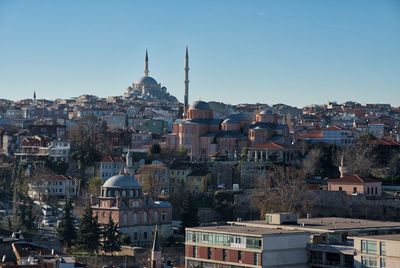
x: 377, y: 251
x: 328, y: 243
x: 244, y: 246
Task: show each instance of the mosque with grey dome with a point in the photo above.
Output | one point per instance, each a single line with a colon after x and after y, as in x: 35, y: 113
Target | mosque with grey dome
x: 204, y: 135
x: 136, y: 214
x: 148, y: 88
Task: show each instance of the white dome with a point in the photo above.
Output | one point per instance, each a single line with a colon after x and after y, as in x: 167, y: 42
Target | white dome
x: 121, y: 181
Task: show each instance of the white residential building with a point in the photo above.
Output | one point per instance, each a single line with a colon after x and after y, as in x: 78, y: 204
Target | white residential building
x: 53, y: 186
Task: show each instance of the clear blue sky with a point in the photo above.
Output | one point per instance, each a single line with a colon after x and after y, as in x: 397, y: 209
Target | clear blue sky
x: 281, y: 51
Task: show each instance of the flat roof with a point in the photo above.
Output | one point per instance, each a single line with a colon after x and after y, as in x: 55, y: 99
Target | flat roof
x: 390, y: 237
x: 243, y: 230
x: 329, y: 224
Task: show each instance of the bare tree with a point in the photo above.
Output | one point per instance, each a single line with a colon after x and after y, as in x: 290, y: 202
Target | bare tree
x: 311, y: 162
x: 358, y: 159
x: 283, y: 190
x: 90, y: 139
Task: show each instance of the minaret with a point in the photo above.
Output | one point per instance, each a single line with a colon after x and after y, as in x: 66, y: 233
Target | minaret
x: 34, y: 95
x: 342, y: 168
x: 156, y: 261
x: 146, y: 65
x: 186, y: 81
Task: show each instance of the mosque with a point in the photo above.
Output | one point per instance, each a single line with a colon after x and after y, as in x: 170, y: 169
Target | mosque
x: 204, y: 136
x: 147, y: 87
x: 136, y: 214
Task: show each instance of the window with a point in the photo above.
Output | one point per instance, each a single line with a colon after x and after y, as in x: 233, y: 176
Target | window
x: 209, y: 253
x: 145, y: 217
x: 135, y: 236
x: 255, y: 258
x: 367, y: 190
x: 238, y: 240
x: 354, y: 189
x: 240, y: 256
x: 368, y: 262
x: 135, y: 218
x: 195, y: 252
x: 155, y: 216
x: 340, y: 188
x: 163, y: 216
x: 376, y: 190
x: 383, y: 263
x: 224, y: 254
x: 383, y: 249
x: 368, y: 246
x: 145, y: 235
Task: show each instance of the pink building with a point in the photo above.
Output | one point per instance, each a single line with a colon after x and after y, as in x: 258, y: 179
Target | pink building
x: 355, y: 184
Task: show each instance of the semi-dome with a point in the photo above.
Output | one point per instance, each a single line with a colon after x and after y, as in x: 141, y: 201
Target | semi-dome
x: 200, y: 105
x: 148, y: 81
x: 121, y: 181
x: 230, y: 120
x: 240, y: 116
x: 268, y: 112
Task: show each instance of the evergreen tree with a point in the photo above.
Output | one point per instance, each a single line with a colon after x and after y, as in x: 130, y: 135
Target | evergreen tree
x: 66, y: 231
x: 89, y: 231
x: 25, y: 212
x: 111, y: 237
x: 189, y: 215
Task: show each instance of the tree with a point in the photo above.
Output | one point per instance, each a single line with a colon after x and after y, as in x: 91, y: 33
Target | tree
x: 189, y: 215
x: 284, y: 191
x: 111, y: 237
x: 94, y: 186
x: 311, y: 162
x: 125, y: 239
x: 89, y: 232
x: 90, y: 139
x: 25, y: 213
x: 155, y: 148
x: 66, y: 230
x: 359, y: 159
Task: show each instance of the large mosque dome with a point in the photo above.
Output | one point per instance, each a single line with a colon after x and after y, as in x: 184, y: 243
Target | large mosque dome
x: 199, y: 105
x: 147, y: 81
x: 121, y: 181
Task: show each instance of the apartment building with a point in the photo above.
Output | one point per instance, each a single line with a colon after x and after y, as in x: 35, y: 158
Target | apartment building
x: 377, y: 251
x: 242, y: 246
x: 329, y: 242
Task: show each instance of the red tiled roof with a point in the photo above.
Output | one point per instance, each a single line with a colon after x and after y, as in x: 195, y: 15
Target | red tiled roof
x: 270, y: 145
x: 109, y: 158
x: 352, y: 179
x: 384, y: 141
x: 310, y: 135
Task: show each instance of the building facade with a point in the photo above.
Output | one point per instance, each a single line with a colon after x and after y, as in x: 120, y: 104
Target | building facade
x: 239, y: 246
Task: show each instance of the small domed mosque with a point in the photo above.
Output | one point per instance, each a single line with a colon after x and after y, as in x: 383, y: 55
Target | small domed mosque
x: 135, y: 214
x: 147, y: 87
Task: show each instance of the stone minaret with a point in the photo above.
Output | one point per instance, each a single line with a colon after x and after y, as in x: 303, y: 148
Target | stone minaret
x: 186, y: 81
x: 343, y: 169
x: 156, y: 260
x: 146, y: 65
x: 34, y: 95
